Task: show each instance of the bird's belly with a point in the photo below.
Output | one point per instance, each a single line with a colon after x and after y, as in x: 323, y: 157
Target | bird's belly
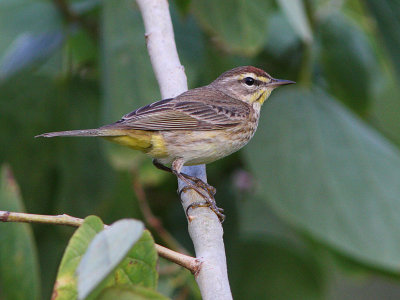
x: 203, y: 147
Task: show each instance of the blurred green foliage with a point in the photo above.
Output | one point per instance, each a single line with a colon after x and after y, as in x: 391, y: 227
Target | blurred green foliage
x: 312, y: 202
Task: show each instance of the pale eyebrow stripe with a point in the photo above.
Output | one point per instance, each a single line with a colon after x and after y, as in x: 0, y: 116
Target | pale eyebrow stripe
x: 256, y: 77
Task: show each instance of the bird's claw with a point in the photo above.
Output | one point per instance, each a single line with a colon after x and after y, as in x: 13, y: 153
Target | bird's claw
x: 204, y: 185
x: 218, y: 211
x: 199, y: 186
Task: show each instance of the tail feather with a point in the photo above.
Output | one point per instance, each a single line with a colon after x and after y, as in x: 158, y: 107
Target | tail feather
x: 84, y: 132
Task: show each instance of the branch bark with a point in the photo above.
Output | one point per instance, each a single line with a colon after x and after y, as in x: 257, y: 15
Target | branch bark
x: 188, y: 262
x: 203, y: 225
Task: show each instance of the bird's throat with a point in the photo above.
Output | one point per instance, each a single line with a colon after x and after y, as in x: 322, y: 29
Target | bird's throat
x: 261, y: 96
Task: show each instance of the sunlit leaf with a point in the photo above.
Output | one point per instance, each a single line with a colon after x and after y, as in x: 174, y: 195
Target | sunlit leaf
x: 105, y: 252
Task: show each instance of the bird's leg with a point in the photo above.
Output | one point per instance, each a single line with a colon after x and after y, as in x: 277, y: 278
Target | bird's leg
x: 209, y: 199
x: 205, y: 186
x: 160, y: 166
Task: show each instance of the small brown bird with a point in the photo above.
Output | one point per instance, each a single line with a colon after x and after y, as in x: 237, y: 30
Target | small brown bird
x: 199, y: 126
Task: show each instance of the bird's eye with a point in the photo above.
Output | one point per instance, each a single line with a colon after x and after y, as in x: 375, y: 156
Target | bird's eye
x: 249, y: 81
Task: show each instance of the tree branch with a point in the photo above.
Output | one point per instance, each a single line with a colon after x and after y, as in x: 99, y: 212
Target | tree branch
x: 188, y: 262
x: 204, y: 227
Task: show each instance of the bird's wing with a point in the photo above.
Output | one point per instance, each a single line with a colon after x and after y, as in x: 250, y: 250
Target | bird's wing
x: 188, y: 111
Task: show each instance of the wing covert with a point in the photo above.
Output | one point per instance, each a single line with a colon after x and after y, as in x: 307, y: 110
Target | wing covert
x: 192, y: 110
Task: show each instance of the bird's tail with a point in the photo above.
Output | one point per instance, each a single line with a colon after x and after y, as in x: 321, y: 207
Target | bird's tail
x: 85, y: 132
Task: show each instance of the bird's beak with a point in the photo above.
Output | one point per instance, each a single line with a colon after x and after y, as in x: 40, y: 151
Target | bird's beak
x: 278, y: 82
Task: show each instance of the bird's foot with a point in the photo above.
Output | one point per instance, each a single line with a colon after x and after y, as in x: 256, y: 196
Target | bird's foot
x: 218, y: 211
x: 208, y: 202
x: 200, y: 183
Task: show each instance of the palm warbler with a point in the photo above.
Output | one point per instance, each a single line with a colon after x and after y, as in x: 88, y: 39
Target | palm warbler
x: 199, y: 126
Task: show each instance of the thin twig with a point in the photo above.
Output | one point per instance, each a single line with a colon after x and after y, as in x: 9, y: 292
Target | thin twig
x: 150, y: 219
x: 188, y: 262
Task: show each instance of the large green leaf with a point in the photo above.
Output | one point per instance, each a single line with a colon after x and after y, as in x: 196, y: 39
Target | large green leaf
x: 329, y: 174
x: 107, y: 249
x: 139, y: 267
x: 240, y: 26
x: 385, y: 109
x: 348, y: 61
x: 387, y: 16
x: 19, y: 269
x: 66, y: 283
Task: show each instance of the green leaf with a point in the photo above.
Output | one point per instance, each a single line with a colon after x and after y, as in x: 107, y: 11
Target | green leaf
x: 105, y: 252
x: 28, y: 48
x: 139, y: 267
x: 130, y: 293
x: 282, y: 40
x: 29, y: 30
x: 296, y: 14
x: 330, y: 175
x: 240, y: 26
x: 348, y: 61
x: 66, y: 282
x: 387, y: 16
x: 19, y: 268
x: 385, y: 109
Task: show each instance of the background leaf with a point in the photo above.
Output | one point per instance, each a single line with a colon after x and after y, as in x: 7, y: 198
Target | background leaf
x: 247, y: 34
x: 297, y: 17
x: 26, y: 49
x: 347, y: 60
x: 387, y: 16
x: 29, y: 30
x: 19, y: 268
x: 333, y: 177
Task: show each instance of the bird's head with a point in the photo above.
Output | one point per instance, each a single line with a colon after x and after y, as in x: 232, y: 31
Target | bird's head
x: 248, y: 84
